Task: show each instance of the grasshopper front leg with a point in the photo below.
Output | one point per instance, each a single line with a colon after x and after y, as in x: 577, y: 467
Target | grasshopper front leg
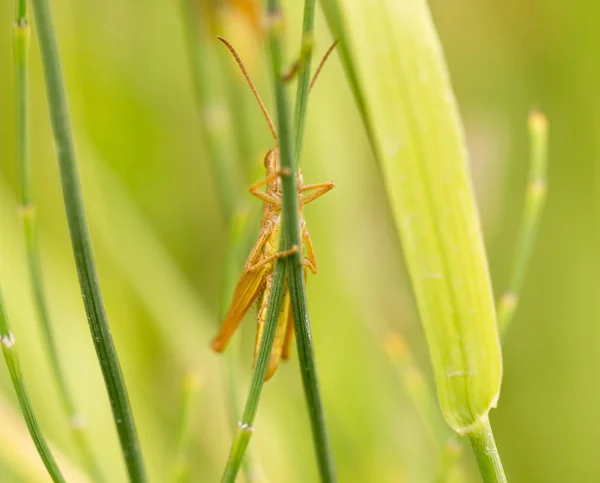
x: 321, y: 189
x: 261, y: 195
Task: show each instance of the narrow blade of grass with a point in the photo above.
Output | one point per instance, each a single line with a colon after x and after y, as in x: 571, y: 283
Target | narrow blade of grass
x: 417, y: 388
x: 28, y: 215
x: 228, y: 183
x: 226, y: 176
x: 306, y: 50
x: 448, y: 449
x: 291, y: 229
x: 535, y: 200
x: 237, y: 232
x: 20, y: 454
x: 7, y: 340
x: 82, y: 249
x: 245, y: 428
x: 189, y: 391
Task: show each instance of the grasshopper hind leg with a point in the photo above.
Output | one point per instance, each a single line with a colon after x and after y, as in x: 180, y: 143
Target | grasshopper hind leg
x: 280, y: 331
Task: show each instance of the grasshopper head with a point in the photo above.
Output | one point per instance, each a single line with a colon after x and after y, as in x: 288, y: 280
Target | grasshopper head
x: 271, y: 162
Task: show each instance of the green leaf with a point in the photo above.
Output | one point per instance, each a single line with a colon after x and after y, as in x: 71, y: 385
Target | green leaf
x: 396, y: 68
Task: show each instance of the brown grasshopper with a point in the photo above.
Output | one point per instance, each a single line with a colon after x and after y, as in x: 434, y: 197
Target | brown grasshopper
x: 256, y: 280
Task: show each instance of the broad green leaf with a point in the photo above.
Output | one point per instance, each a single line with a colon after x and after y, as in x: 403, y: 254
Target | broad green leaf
x: 397, y: 71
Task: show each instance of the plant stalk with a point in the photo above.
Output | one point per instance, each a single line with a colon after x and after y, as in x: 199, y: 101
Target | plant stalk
x: 486, y: 453
x: 291, y: 229
x: 29, y: 221
x: 189, y: 392
x: 82, y: 248
x: 535, y: 201
x: 412, y: 377
x: 228, y: 183
x: 212, y: 128
x: 245, y: 428
x: 7, y: 340
x: 237, y: 230
x: 302, y: 90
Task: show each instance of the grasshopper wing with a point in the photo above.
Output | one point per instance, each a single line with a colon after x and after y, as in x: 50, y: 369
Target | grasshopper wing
x: 248, y: 288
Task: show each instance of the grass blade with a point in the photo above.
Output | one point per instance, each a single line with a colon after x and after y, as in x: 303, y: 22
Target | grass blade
x: 449, y: 450
x: 291, y: 229
x: 306, y: 50
x: 82, y: 248
x: 7, y: 340
x: 237, y: 232
x: 535, y: 200
x: 189, y: 391
x: 28, y: 216
x: 417, y: 388
x: 245, y: 428
x: 21, y: 456
x: 214, y: 137
x: 227, y: 181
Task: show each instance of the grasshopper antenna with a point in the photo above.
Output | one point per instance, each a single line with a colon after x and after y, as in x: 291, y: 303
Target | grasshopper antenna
x: 318, y: 71
x: 252, y: 88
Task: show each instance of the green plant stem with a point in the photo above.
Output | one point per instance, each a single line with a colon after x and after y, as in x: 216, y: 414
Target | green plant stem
x: 28, y: 215
x: 486, y: 453
x: 245, y: 428
x: 302, y: 91
x: 448, y: 449
x: 237, y: 230
x: 228, y: 184
x: 417, y: 388
x: 7, y: 341
x: 82, y: 249
x: 189, y: 391
x: 21, y: 45
x: 449, y: 468
x: 212, y: 128
x: 291, y: 230
x: 535, y: 200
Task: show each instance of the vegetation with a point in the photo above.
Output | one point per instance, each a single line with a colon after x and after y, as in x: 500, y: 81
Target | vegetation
x: 147, y: 127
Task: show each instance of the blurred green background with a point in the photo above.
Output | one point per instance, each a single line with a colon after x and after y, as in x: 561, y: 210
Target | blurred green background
x: 159, y: 235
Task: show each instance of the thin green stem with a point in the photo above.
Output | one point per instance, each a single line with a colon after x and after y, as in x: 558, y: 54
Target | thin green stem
x: 417, y: 388
x: 291, y: 229
x: 534, y: 205
x: 210, y: 116
x: 237, y: 230
x: 245, y: 428
x: 227, y: 188
x: 82, y: 248
x: 189, y: 391
x: 21, y: 44
x: 486, y: 453
x: 28, y: 215
x: 7, y: 340
x: 448, y: 449
x: 308, y: 25
x: 449, y: 468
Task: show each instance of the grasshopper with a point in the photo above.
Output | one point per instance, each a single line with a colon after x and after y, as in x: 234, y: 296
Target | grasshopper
x: 255, y: 283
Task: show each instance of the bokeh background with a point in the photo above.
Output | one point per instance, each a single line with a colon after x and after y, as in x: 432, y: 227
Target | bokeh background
x: 159, y: 234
